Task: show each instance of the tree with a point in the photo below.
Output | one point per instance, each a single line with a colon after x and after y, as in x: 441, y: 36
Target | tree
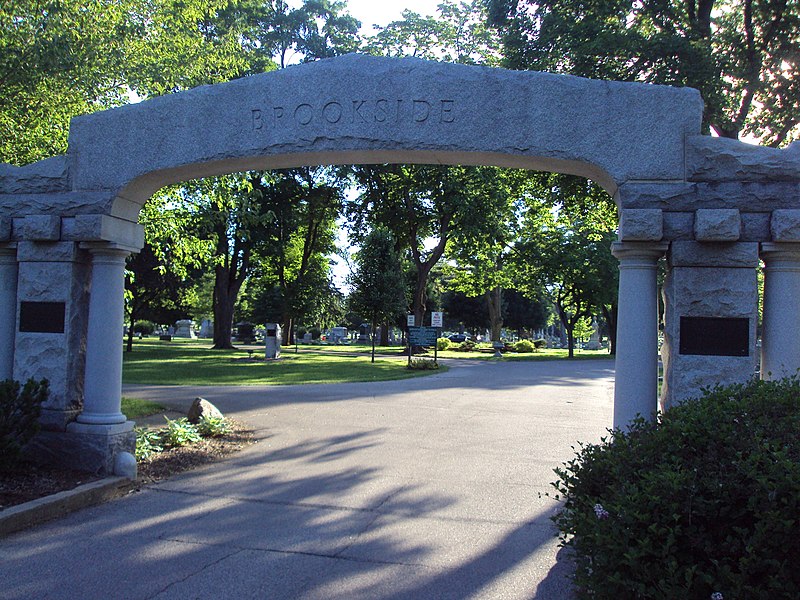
x: 565, y: 250
x: 458, y: 34
x: 58, y: 59
x: 425, y: 207
x: 524, y: 314
x: 152, y: 293
x: 305, y: 203
x: 740, y: 54
x: 378, y: 289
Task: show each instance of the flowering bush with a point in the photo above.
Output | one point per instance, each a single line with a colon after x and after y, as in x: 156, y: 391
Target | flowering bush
x: 704, y: 503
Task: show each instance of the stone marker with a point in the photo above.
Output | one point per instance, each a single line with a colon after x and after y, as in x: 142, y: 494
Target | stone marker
x: 203, y: 409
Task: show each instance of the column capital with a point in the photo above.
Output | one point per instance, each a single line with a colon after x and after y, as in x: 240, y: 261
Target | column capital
x: 106, y: 249
x: 107, y: 253
x: 780, y: 251
x: 638, y: 253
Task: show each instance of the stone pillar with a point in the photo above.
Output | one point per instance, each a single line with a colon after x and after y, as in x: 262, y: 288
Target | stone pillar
x: 710, y: 317
x: 635, y: 388
x: 103, y: 381
x: 8, y: 309
x: 780, y: 338
x: 49, y: 344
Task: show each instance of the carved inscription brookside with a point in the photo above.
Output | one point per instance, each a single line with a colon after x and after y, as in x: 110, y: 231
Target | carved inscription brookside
x: 354, y: 111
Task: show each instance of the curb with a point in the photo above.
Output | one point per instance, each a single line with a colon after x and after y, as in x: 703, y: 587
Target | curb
x: 58, y: 505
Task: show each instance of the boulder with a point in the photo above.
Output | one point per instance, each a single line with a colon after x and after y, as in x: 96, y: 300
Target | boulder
x: 202, y: 408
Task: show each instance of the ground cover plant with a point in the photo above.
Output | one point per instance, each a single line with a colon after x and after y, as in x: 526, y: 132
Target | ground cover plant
x: 701, y: 504
x: 170, y: 363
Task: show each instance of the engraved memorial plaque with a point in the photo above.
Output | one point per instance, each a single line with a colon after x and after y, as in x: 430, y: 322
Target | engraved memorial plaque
x: 715, y: 336
x: 41, y: 317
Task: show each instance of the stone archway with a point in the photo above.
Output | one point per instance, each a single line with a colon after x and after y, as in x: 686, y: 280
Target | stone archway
x: 68, y: 222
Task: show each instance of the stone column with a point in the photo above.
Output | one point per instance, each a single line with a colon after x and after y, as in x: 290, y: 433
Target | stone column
x: 103, y: 383
x: 636, y: 385
x: 8, y: 309
x: 780, y: 338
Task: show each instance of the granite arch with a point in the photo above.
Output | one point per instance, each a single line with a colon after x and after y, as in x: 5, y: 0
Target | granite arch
x: 711, y: 206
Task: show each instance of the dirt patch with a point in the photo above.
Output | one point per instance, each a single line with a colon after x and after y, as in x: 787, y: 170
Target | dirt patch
x: 27, y: 482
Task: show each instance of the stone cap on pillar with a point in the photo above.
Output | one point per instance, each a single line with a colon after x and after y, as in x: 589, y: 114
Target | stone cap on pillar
x: 104, y: 228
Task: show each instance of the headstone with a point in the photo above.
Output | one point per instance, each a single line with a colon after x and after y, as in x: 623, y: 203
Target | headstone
x: 272, y: 340
x: 207, y: 328
x: 594, y: 339
x: 338, y: 334
x: 185, y: 329
x: 363, y: 332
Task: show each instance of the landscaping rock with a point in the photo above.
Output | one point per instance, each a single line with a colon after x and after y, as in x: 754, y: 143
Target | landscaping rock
x: 202, y: 408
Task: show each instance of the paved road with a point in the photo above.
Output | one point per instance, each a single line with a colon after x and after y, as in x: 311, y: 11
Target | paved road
x: 417, y: 489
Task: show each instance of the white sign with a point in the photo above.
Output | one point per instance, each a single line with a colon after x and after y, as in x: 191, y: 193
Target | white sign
x: 410, y: 320
x: 436, y: 319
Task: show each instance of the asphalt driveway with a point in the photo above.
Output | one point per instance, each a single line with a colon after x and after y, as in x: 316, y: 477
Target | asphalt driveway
x: 420, y: 489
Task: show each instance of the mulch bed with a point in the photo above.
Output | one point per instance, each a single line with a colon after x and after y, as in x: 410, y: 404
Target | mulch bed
x: 27, y: 482
x: 176, y: 460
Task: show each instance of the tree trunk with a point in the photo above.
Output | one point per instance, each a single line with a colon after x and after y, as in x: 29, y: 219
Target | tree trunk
x: 374, y: 327
x: 494, y: 300
x: 224, y: 301
x: 129, y: 347
x: 385, y: 334
x: 610, y: 315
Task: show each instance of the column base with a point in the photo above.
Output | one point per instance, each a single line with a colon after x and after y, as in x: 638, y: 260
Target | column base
x: 101, y: 418
x: 83, y: 447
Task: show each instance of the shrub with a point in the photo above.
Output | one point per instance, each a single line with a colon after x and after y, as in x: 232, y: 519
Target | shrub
x: 442, y: 344
x: 315, y: 333
x: 540, y: 344
x: 20, y: 407
x: 465, y: 346
x: 524, y: 346
x: 704, y: 501
x: 422, y: 364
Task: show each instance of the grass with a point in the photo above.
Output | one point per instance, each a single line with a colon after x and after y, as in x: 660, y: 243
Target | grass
x: 133, y: 408
x: 189, y: 362
x: 546, y: 354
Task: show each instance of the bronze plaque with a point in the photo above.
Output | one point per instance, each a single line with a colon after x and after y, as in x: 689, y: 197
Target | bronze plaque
x: 41, y: 317
x: 715, y: 336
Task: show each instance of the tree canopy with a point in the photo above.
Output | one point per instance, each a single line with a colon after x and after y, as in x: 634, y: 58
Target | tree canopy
x: 741, y: 54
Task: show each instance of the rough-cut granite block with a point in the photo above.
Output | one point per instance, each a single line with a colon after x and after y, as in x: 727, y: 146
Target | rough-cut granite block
x: 641, y: 225
x: 785, y: 225
x: 42, y: 228
x: 713, y: 254
x: 717, y: 225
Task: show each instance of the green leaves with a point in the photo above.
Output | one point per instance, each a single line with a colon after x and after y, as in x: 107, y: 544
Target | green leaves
x: 709, y: 494
x: 741, y: 55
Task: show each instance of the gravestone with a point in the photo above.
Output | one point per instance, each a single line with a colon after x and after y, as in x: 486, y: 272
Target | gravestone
x: 185, y: 329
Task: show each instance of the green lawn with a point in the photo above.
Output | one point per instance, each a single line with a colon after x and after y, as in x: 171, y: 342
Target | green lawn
x: 189, y: 362
x: 548, y: 354
x: 134, y: 408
